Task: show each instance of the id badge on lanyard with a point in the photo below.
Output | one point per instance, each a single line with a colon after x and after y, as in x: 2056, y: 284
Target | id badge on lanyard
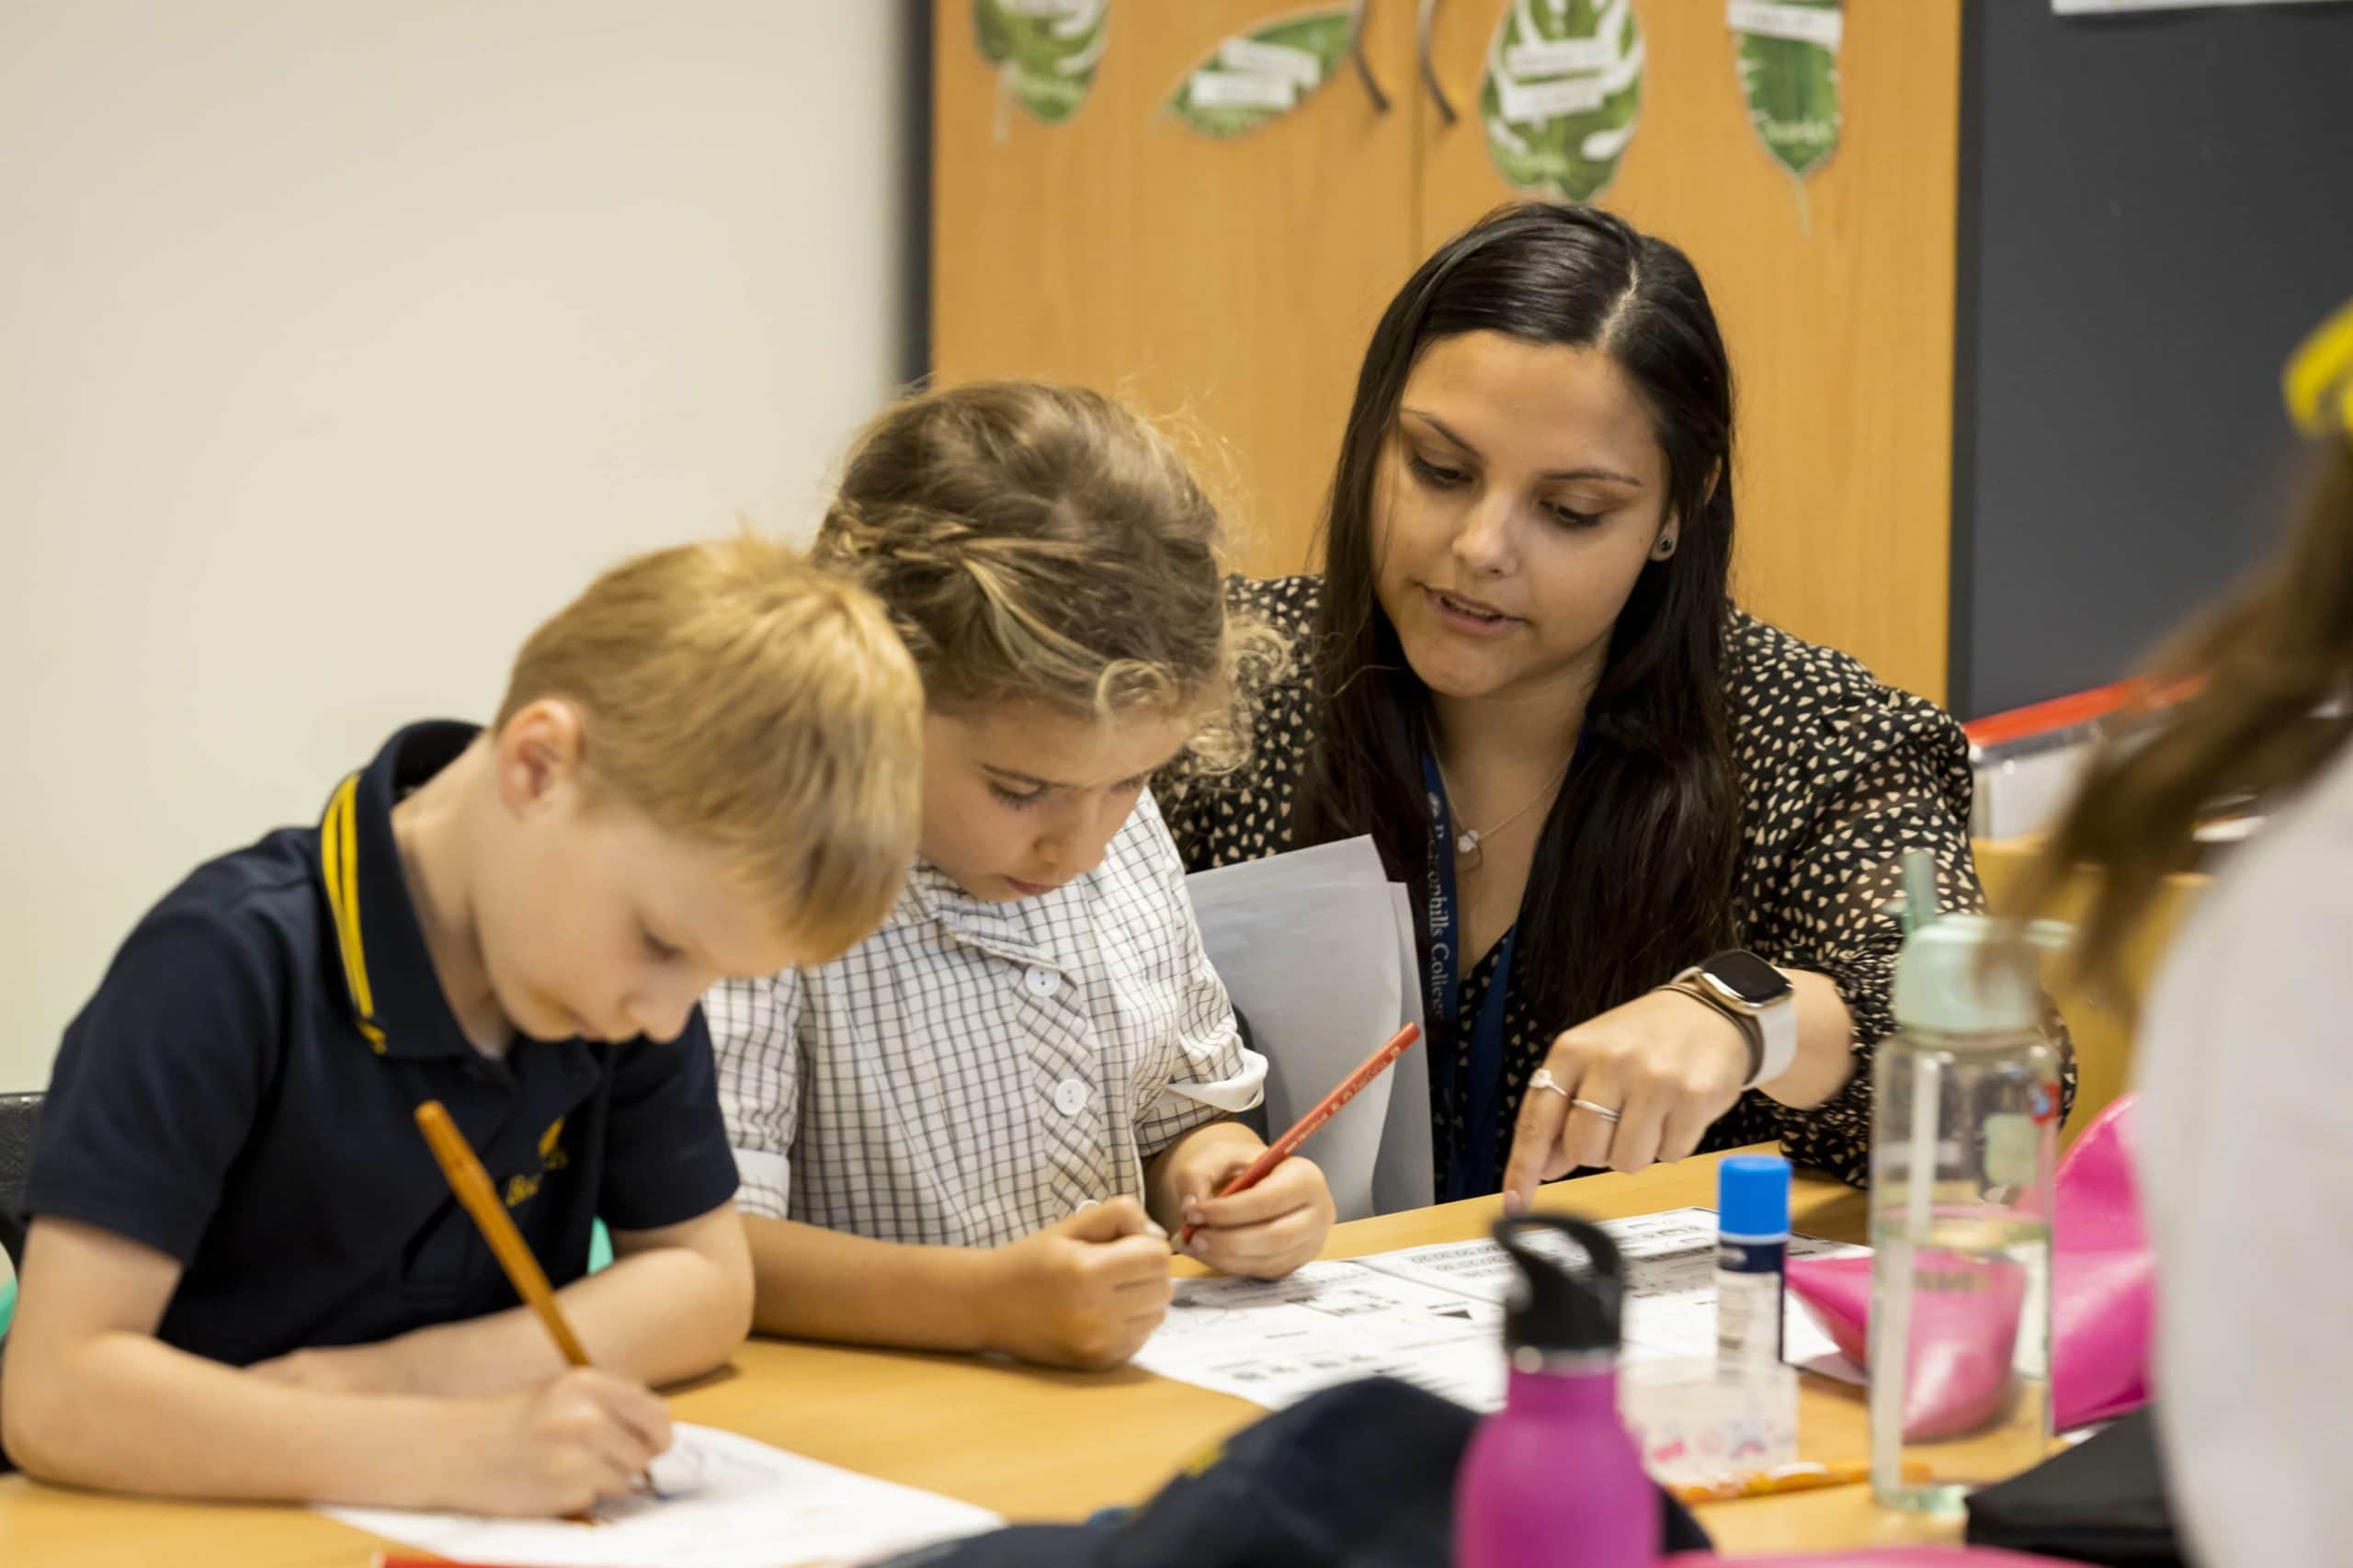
x: 1471, y: 1159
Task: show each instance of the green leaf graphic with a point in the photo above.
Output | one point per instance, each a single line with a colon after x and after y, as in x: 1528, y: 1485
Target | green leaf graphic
x: 1045, y: 50
x: 1791, y: 85
x: 1263, y: 73
x: 1563, y: 93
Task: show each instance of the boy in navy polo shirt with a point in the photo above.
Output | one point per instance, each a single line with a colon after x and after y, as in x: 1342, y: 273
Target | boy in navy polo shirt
x: 246, y: 1276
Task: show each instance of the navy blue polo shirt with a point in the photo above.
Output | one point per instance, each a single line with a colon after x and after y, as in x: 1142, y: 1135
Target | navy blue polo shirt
x: 224, y: 1099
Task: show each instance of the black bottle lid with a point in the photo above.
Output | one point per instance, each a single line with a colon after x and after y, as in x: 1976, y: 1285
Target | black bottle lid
x: 1557, y: 1308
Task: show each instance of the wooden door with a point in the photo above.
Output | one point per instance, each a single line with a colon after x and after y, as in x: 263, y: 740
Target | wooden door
x: 1228, y: 285
x: 1840, y: 323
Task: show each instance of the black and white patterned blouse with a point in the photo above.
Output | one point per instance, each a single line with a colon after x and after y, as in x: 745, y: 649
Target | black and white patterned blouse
x: 1839, y: 776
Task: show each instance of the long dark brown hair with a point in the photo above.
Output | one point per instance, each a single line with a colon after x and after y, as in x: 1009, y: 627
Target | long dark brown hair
x: 2272, y: 667
x: 1632, y: 874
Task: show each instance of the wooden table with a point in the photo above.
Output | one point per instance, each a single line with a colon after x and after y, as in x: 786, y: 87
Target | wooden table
x: 1026, y: 1443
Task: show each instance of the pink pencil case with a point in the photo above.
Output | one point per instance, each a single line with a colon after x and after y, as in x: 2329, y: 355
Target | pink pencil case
x: 2102, y: 1303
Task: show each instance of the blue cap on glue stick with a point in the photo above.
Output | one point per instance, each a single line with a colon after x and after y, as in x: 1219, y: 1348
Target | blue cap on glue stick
x: 1753, y: 1196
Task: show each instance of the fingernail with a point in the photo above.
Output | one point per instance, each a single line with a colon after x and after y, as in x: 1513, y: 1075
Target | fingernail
x: 1153, y: 1226
x: 1194, y: 1217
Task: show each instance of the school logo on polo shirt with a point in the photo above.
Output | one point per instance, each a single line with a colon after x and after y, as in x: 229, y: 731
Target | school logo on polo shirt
x: 552, y: 1158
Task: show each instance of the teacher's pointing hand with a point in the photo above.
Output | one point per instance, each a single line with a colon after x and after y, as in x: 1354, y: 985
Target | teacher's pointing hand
x: 1640, y: 1083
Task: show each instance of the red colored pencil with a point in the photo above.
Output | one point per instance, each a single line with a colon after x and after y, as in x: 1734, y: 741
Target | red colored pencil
x: 1284, y: 1147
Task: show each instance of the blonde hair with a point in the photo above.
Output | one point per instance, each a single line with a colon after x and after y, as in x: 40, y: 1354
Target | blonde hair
x: 1041, y: 542
x: 743, y: 699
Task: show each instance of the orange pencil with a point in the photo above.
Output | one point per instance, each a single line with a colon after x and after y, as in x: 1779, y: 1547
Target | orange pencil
x: 471, y: 1184
x: 1284, y: 1147
x: 1801, y: 1477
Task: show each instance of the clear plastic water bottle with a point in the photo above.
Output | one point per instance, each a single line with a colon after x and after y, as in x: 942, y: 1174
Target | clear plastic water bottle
x: 1963, y: 1148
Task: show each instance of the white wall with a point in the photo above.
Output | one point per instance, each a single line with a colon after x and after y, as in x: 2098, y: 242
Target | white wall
x: 342, y: 340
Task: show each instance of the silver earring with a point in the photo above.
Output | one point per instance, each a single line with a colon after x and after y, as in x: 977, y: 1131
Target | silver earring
x: 1665, y: 548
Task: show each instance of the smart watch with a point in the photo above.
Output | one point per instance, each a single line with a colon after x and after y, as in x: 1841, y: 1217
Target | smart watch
x: 1758, y: 998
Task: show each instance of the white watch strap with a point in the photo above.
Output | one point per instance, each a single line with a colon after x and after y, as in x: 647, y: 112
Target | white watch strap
x: 1778, y: 1028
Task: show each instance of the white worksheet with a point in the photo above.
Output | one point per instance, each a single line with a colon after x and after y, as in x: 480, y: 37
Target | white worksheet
x: 1275, y: 1343
x: 1432, y: 1316
x: 727, y: 1502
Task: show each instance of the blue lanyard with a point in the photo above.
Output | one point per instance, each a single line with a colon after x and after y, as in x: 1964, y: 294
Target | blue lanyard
x: 1470, y: 1160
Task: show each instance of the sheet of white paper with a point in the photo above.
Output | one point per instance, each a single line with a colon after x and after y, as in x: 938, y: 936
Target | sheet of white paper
x: 1276, y: 1342
x: 1671, y: 1265
x: 1403, y: 1177
x: 1310, y: 947
x: 1344, y: 861
x: 729, y: 1502
x: 1431, y: 1316
x: 1315, y: 1017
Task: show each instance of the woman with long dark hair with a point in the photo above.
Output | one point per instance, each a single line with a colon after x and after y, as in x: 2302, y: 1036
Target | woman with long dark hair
x: 1650, y: 838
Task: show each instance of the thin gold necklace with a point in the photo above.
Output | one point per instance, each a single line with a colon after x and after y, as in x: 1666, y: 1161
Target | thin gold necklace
x: 1467, y: 853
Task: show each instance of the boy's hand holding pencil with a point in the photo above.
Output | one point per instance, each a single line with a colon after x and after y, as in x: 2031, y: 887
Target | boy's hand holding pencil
x: 558, y: 1449
x: 553, y: 1451
x: 572, y: 1442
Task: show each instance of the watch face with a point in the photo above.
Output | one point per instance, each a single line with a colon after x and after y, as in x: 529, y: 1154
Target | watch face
x: 1748, y: 977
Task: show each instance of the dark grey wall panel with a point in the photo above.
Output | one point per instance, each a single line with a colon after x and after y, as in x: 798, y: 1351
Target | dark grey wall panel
x: 2153, y: 209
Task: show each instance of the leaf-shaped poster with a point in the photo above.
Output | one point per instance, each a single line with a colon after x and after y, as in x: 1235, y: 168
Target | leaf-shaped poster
x: 1788, y: 51
x: 1263, y: 74
x: 1564, y: 85
x: 1045, y: 50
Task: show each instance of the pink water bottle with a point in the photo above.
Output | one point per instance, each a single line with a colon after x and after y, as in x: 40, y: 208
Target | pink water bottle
x: 1553, y: 1480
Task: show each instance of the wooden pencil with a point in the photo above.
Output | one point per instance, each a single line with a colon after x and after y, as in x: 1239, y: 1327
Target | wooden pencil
x: 472, y: 1185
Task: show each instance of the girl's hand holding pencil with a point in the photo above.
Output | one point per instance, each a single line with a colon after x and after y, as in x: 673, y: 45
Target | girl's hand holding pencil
x: 1263, y: 1232
x: 1270, y: 1214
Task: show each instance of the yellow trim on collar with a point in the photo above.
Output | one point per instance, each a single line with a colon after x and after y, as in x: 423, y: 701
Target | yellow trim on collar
x: 339, y: 866
x: 2318, y: 382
